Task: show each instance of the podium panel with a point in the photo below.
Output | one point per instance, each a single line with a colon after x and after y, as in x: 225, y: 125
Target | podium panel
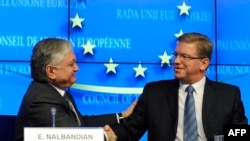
x: 63, y: 134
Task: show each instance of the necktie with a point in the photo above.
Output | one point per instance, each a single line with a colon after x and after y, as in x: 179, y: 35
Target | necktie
x: 190, y: 123
x: 72, y: 108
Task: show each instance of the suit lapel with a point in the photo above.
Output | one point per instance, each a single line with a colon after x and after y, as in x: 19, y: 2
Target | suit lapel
x: 172, y: 100
x: 209, y: 99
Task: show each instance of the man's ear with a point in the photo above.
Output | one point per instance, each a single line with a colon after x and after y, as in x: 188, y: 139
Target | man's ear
x: 50, y: 71
x: 204, y: 63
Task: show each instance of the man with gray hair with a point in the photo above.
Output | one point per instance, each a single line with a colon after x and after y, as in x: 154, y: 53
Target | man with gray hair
x: 53, y: 67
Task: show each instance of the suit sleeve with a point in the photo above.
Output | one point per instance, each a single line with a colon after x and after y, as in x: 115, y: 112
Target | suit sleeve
x: 99, y: 120
x: 96, y: 120
x: 239, y: 116
x: 40, y: 115
x: 135, y: 126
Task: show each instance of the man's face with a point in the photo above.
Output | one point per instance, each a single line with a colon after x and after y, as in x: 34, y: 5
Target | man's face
x: 188, y: 68
x: 65, y: 71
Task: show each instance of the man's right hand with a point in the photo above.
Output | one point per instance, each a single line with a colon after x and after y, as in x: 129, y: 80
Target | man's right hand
x: 110, y: 133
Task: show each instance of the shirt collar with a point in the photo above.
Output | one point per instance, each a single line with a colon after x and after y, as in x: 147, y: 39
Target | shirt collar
x: 60, y: 91
x: 197, y: 85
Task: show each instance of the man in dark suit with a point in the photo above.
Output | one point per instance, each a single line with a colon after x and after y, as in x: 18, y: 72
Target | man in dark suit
x: 161, y: 107
x: 53, y: 67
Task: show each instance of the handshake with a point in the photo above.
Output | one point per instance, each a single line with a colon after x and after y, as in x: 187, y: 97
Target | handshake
x: 109, y: 134
x: 108, y: 131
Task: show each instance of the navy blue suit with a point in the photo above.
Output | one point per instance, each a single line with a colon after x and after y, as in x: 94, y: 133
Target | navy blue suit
x: 157, y: 111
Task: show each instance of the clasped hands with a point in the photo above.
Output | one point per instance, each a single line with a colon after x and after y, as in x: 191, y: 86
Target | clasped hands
x: 110, y: 133
x: 108, y: 130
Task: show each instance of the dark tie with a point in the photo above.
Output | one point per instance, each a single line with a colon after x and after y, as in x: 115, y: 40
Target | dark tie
x: 72, y: 108
x: 190, y: 123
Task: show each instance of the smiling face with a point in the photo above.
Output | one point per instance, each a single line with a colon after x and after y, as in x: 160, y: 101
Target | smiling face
x: 63, y: 74
x: 188, y: 67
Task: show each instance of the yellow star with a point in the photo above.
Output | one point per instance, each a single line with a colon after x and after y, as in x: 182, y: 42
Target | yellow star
x: 77, y: 21
x: 111, y: 66
x: 165, y: 59
x: 184, y: 8
x: 177, y: 35
x: 88, y: 48
x: 140, y: 70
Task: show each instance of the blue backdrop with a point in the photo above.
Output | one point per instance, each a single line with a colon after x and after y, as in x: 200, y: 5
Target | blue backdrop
x: 115, y: 39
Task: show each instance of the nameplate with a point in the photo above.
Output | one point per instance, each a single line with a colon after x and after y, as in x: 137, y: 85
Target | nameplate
x: 63, y: 134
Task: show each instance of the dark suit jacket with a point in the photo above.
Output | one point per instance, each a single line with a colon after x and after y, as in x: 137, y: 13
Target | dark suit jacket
x: 35, y: 111
x: 157, y: 111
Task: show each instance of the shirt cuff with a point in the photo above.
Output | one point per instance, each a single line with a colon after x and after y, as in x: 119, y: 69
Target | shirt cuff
x: 106, y: 138
x: 119, y: 118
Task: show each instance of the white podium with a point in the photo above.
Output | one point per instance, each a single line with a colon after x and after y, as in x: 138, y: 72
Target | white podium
x: 63, y: 134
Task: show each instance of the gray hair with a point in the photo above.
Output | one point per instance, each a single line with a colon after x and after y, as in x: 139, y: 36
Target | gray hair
x: 47, y: 51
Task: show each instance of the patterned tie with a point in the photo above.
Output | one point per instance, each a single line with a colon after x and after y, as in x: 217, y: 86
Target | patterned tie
x: 190, y: 123
x: 66, y: 97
